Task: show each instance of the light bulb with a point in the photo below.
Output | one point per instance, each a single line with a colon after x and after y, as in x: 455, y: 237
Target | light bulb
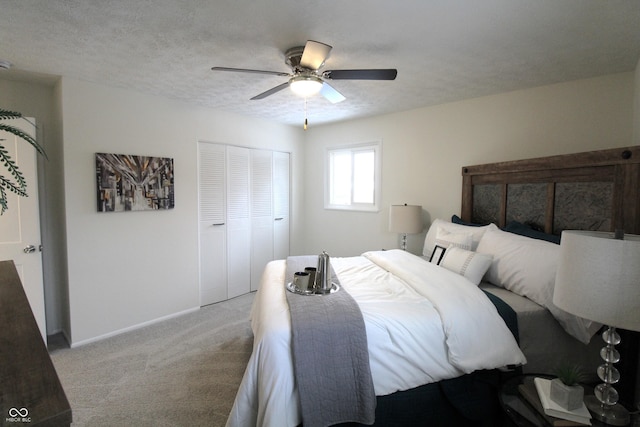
x: 305, y: 85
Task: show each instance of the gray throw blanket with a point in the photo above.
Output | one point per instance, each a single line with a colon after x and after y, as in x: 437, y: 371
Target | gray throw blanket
x: 330, y: 355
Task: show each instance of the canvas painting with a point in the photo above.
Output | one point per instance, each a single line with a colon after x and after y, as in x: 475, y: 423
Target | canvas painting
x: 134, y: 183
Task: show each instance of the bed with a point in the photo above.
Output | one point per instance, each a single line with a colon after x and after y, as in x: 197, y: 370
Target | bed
x: 422, y: 365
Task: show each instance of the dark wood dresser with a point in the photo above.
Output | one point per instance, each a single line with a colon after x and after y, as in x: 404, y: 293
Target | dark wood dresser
x: 30, y: 390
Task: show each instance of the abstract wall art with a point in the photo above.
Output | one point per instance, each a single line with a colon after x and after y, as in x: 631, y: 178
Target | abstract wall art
x: 134, y: 183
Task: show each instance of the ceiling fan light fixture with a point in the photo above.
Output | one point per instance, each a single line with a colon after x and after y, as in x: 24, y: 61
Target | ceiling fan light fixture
x: 305, y: 86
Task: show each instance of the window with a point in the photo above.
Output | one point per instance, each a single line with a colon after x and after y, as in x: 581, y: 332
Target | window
x: 352, y: 178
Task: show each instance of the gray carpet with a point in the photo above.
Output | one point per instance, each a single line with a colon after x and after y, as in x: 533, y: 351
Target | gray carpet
x: 180, y: 372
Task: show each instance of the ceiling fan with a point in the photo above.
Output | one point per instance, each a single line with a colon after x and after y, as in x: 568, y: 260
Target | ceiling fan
x: 306, y: 79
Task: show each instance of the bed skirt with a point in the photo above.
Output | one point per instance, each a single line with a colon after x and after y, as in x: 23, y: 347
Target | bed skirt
x: 469, y: 400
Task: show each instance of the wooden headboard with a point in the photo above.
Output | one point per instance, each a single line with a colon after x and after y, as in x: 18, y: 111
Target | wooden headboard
x: 597, y: 190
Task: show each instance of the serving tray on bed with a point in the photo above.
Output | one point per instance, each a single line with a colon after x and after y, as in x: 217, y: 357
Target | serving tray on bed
x: 292, y: 288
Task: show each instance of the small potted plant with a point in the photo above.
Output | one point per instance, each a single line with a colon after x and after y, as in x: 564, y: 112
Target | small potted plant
x: 566, y: 390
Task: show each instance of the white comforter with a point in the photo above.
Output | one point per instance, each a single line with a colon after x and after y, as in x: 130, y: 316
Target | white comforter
x: 424, y: 324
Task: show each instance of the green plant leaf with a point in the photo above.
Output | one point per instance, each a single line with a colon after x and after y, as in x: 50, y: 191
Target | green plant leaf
x: 3, y: 200
x: 18, y: 187
x: 17, y: 132
x: 7, y: 115
x: 570, y: 374
x: 19, y: 190
x: 13, y: 170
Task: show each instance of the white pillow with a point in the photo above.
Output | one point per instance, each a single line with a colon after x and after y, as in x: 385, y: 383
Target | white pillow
x: 521, y: 264
x: 527, y: 267
x: 445, y: 239
x: 430, y: 238
x: 471, y: 265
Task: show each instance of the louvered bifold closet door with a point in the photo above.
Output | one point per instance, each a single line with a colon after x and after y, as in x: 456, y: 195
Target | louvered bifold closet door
x: 238, y: 222
x: 212, y: 228
x: 281, y: 197
x: 261, y: 213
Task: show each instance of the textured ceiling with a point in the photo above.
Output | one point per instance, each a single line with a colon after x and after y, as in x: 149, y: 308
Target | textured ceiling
x: 444, y: 50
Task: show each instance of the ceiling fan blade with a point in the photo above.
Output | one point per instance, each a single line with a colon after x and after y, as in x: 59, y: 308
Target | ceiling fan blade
x: 314, y: 54
x: 331, y: 94
x: 271, y: 91
x: 375, y: 74
x: 246, y: 70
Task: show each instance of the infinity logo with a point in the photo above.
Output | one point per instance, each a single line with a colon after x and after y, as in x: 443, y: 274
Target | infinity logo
x: 15, y: 412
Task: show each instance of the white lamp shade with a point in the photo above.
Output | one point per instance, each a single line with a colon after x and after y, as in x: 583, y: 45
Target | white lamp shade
x: 405, y: 219
x: 598, y: 278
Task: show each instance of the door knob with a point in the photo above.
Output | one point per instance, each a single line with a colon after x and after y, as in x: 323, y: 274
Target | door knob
x: 29, y: 249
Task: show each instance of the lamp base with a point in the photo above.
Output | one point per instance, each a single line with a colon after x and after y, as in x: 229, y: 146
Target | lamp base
x: 403, y: 246
x: 615, y: 415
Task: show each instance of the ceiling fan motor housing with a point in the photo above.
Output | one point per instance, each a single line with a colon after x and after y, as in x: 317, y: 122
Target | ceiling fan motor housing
x: 293, y: 57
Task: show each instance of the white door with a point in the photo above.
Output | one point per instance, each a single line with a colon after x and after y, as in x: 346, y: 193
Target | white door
x: 20, y: 224
x: 281, y: 190
x: 213, y: 245
x: 261, y: 213
x: 238, y: 222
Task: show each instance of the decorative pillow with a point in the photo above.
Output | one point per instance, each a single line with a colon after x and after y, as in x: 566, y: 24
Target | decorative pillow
x: 446, y: 238
x: 527, y: 267
x: 521, y: 264
x: 471, y: 265
x: 457, y: 220
x: 528, y: 231
x: 430, y: 238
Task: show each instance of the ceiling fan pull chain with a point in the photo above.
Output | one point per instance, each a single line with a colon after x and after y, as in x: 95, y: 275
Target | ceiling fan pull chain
x: 306, y: 123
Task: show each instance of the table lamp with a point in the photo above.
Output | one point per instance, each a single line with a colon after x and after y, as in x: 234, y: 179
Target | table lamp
x: 405, y: 219
x: 598, y: 279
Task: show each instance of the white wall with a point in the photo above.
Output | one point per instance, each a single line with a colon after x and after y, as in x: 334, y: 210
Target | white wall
x: 425, y: 149
x: 130, y: 268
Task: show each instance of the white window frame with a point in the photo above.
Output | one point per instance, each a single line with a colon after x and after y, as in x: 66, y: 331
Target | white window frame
x: 376, y: 146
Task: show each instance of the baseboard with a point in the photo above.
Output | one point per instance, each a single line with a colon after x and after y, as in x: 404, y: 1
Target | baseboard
x: 132, y: 328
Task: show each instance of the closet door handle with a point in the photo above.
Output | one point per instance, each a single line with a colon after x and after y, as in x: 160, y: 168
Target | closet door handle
x: 278, y: 219
x: 220, y: 223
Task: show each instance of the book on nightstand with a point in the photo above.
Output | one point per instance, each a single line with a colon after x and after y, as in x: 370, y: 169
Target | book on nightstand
x: 580, y: 415
x: 530, y: 393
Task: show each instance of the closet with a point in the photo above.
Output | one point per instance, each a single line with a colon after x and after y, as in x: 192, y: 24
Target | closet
x: 243, y: 217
